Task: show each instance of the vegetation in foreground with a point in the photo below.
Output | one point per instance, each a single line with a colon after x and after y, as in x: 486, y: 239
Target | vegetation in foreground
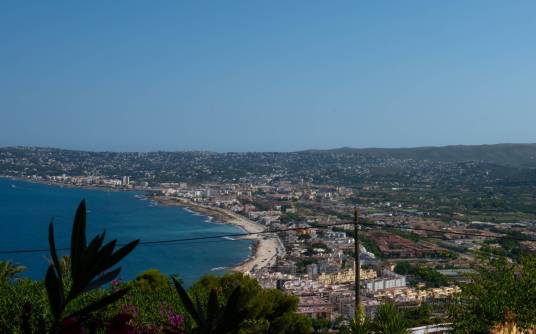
x: 80, y: 294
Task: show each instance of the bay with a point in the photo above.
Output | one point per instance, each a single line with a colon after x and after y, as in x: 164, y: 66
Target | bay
x: 26, y: 209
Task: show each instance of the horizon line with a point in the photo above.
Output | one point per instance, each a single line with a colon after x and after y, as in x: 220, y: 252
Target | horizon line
x: 245, y: 152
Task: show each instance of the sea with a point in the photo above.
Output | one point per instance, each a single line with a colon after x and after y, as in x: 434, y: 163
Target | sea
x: 26, y: 209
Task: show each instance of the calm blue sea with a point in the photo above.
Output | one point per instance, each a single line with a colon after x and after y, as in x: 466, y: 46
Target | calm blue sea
x: 26, y: 209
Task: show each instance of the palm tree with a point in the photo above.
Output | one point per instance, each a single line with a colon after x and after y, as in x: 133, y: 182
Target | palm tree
x: 389, y: 320
x: 360, y: 326
x: 214, y: 319
x: 9, y: 270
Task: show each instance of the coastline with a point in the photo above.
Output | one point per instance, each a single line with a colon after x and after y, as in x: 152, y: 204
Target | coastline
x: 68, y: 185
x: 266, y: 247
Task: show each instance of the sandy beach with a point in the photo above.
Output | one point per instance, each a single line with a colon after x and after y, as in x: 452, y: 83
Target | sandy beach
x: 267, y: 245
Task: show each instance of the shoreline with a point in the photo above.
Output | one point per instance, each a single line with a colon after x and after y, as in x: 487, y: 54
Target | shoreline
x: 265, y: 248
x: 70, y: 185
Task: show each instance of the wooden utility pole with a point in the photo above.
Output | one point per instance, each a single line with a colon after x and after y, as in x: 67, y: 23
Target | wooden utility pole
x: 357, y: 266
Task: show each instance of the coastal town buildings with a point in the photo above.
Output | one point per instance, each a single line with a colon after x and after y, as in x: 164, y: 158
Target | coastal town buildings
x: 301, y: 229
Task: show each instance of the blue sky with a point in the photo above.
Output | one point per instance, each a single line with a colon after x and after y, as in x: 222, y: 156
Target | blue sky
x: 266, y: 75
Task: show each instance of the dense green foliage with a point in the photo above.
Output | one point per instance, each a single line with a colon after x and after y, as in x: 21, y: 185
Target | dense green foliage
x: 431, y: 277
x: 15, y: 300
x: 388, y: 320
x: 267, y: 310
x: 419, y: 316
x: 9, y: 270
x: 215, y: 317
x: 147, y: 310
x: 151, y: 280
x: 501, y: 291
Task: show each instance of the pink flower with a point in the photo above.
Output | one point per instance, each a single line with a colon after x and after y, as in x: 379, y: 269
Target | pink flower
x: 175, y: 320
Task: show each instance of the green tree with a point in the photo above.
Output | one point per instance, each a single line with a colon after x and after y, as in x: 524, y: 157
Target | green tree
x: 9, y: 270
x: 23, y: 301
x: 267, y: 310
x: 151, y: 280
x: 431, y: 277
x: 214, y: 318
x: 419, y: 316
x: 360, y: 324
x: 389, y: 320
x: 321, y: 325
x: 499, y: 292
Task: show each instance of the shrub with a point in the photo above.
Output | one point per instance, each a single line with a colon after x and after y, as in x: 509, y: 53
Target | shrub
x: 499, y: 293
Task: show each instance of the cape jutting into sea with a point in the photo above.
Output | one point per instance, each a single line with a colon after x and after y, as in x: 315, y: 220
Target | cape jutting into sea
x: 26, y: 209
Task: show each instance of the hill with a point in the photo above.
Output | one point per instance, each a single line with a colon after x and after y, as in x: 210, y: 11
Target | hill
x: 518, y: 155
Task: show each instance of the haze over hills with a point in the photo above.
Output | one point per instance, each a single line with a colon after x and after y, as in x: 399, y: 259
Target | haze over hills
x: 519, y: 155
x: 505, y: 154
x: 480, y: 164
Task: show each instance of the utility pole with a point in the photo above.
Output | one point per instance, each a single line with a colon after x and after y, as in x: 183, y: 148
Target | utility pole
x: 357, y: 266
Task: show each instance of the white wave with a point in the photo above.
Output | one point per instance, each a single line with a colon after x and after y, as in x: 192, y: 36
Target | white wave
x: 218, y: 268
x: 192, y: 212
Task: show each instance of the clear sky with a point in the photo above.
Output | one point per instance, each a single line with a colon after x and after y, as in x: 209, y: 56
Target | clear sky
x: 266, y: 75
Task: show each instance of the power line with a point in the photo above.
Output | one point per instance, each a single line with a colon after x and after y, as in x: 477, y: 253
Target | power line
x: 175, y: 241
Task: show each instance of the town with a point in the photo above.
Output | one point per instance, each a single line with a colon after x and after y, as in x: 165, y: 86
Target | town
x: 422, y: 224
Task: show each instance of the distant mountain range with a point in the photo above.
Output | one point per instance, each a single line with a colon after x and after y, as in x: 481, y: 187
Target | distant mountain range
x: 518, y: 155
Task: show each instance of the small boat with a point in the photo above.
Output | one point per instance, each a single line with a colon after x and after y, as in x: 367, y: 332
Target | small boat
x: 13, y: 186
